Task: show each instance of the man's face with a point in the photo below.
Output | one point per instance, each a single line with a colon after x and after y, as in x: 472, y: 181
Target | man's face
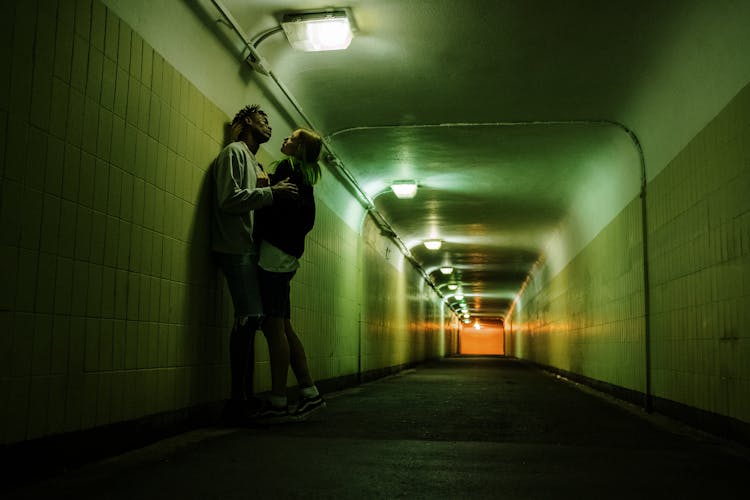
x: 258, y: 123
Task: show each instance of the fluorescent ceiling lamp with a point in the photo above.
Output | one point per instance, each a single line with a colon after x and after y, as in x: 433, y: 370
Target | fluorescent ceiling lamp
x: 433, y: 244
x: 459, y: 296
x: 404, y: 189
x: 446, y: 270
x: 318, y: 31
x: 452, y: 286
x: 466, y: 315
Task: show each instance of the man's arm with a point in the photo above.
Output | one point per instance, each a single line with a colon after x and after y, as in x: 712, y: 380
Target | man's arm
x: 231, y: 197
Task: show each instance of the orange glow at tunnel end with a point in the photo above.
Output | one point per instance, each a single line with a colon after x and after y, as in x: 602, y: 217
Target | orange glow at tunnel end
x: 488, y: 340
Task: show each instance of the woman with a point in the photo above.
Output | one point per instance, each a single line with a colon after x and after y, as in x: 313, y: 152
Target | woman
x: 282, y: 228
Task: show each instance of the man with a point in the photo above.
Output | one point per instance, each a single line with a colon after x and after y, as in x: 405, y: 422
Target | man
x: 241, y: 186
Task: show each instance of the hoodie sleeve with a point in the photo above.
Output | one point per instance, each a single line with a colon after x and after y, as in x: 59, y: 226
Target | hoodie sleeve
x: 229, y: 172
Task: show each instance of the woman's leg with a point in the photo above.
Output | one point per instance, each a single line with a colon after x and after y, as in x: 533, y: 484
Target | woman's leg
x: 278, y: 350
x: 297, y: 356
x: 310, y: 399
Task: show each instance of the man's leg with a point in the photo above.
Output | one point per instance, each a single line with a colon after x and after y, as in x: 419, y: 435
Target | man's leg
x: 240, y: 359
x: 250, y: 370
x: 240, y: 271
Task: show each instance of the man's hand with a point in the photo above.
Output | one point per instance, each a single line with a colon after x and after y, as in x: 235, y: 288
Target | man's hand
x: 284, y: 190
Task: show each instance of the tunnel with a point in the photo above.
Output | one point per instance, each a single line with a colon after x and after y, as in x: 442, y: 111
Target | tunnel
x: 576, y: 173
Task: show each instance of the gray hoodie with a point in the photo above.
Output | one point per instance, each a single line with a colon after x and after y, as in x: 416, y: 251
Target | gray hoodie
x: 235, y: 198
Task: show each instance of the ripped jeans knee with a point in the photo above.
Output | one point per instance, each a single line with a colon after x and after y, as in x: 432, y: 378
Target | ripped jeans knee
x: 252, y: 323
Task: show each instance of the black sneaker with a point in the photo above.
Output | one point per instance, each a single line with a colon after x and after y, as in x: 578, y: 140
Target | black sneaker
x: 269, y: 414
x: 307, y: 406
x: 254, y: 404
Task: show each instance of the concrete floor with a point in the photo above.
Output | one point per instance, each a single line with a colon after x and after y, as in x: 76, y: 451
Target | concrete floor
x: 457, y: 428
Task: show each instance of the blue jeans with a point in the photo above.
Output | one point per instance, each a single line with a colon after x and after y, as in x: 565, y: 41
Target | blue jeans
x: 241, y: 273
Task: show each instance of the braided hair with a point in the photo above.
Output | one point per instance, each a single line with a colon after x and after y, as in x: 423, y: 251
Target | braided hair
x: 238, y: 122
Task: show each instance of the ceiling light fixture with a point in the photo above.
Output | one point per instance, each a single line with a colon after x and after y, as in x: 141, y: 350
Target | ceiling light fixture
x: 433, y: 244
x: 446, y: 270
x: 452, y: 286
x: 459, y: 296
x: 404, y: 189
x: 316, y: 31
x: 477, y: 325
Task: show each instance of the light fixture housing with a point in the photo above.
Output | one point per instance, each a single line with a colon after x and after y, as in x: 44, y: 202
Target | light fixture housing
x: 433, y: 244
x: 317, y: 31
x: 459, y: 296
x: 404, y: 189
x: 452, y: 286
x: 446, y: 270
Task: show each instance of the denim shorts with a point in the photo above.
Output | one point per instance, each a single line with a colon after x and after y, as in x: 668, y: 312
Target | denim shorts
x: 241, y: 272
x: 274, y: 292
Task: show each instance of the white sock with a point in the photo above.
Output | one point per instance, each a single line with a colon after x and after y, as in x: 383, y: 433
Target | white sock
x: 309, y: 392
x: 277, y: 401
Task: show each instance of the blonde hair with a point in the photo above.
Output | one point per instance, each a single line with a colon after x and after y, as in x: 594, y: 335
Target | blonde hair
x: 308, y: 151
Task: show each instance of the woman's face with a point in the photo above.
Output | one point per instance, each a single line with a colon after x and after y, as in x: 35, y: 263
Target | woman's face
x: 290, y: 146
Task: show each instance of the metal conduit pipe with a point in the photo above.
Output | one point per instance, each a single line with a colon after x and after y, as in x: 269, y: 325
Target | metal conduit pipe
x: 648, y: 402
x: 260, y: 65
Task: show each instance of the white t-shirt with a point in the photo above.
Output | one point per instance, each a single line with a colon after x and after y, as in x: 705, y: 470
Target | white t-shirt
x: 275, y: 260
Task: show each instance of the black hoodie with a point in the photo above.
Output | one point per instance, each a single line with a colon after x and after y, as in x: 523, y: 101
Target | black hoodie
x: 286, y: 222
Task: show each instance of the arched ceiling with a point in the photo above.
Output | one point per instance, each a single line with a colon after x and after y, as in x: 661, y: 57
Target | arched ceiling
x: 503, y: 112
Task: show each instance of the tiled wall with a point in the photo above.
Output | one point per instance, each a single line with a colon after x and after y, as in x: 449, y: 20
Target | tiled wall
x: 111, y: 308
x: 699, y: 242
x: 401, y: 321
x: 589, y: 318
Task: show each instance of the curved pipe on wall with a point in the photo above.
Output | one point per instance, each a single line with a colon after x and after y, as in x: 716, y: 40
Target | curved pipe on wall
x: 632, y: 136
